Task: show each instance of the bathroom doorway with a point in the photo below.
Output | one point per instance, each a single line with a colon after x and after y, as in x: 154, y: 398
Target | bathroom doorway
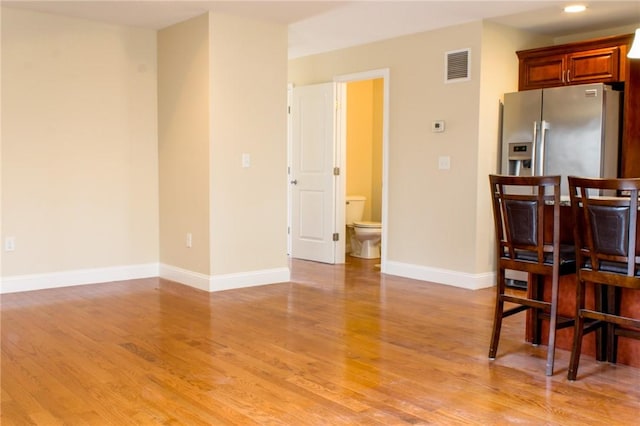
x: 363, y: 146
x: 316, y: 230
x: 363, y: 171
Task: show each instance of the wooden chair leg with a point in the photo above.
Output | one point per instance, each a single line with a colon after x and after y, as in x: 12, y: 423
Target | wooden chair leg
x: 552, y: 326
x: 534, y: 291
x: 613, y: 307
x: 600, y: 300
x: 577, y: 333
x: 497, y: 319
x: 575, y: 349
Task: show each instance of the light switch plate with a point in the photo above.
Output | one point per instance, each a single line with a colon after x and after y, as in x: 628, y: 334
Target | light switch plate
x: 10, y: 244
x: 444, y: 162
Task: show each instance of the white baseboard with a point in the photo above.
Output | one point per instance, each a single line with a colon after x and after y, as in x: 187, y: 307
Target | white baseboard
x: 249, y: 279
x: 225, y: 281
x: 17, y: 283
x: 441, y: 276
x: 184, y: 276
x: 205, y: 282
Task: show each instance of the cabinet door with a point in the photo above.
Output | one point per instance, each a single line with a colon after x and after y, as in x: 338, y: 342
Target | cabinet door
x: 542, y: 71
x: 593, y: 66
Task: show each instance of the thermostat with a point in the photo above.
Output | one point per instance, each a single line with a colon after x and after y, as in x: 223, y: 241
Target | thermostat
x: 437, y: 126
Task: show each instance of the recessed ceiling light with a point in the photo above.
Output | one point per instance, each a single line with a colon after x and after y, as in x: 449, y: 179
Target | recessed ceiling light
x: 575, y: 8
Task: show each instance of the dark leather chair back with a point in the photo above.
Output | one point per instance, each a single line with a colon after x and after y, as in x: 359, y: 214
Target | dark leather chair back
x: 606, y: 214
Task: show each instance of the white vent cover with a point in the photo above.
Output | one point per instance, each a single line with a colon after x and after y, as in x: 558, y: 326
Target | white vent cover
x: 457, y: 65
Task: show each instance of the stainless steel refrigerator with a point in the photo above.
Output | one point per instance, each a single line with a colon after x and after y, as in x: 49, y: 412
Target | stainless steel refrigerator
x: 570, y: 130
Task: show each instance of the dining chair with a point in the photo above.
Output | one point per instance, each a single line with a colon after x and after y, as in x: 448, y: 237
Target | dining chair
x: 519, y: 204
x: 608, y: 256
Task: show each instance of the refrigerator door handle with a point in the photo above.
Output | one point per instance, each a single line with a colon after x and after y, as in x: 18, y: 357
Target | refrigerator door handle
x: 544, y: 126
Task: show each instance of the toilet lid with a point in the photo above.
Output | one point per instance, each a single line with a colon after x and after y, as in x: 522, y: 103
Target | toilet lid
x: 367, y: 224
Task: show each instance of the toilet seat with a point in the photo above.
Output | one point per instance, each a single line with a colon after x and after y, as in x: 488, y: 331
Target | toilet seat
x: 367, y: 224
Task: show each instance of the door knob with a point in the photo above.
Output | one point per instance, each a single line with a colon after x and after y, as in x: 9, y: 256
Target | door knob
x: 294, y: 182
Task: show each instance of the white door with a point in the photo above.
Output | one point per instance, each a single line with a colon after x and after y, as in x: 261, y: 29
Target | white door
x: 312, y: 181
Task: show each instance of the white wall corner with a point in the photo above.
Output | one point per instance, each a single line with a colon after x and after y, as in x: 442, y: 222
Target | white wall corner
x: 225, y: 281
x: 441, y: 276
x: 31, y: 282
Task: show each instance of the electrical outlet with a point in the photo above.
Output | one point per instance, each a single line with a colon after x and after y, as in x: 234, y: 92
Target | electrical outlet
x: 189, y: 240
x: 10, y: 244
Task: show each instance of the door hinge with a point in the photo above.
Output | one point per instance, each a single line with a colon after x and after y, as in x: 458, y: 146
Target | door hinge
x: 336, y: 171
x: 288, y: 230
x: 288, y: 110
x: 336, y: 236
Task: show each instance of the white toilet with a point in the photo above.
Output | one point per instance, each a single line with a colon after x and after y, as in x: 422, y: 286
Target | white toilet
x: 364, y: 236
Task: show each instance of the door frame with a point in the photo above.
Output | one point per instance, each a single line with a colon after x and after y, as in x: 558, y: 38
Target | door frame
x: 341, y: 151
x: 289, y: 153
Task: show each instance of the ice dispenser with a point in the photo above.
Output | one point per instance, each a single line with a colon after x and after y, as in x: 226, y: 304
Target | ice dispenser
x: 519, y: 157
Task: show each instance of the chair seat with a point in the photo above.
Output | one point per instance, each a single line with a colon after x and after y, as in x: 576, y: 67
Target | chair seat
x: 567, y: 256
x: 613, y: 267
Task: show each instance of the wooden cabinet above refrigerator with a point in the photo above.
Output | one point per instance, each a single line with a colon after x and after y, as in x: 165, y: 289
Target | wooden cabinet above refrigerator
x: 594, y: 61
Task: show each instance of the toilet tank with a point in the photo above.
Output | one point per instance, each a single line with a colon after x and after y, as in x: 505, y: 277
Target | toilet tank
x: 355, y: 208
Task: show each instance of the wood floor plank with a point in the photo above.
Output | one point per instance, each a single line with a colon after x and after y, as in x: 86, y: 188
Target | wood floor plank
x: 339, y: 345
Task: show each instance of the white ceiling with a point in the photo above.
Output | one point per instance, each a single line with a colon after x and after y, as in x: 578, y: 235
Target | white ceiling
x: 320, y: 26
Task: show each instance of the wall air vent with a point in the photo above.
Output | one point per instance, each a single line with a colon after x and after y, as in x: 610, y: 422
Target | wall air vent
x: 457, y: 65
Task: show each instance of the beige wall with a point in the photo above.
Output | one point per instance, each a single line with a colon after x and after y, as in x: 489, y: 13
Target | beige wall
x: 499, y: 75
x: 376, y: 157
x: 184, y: 144
x: 119, y: 142
x: 364, y: 144
x: 359, y: 141
x: 249, y: 103
x: 1, y: 222
x: 435, y: 216
x: 223, y: 93
x: 79, y: 154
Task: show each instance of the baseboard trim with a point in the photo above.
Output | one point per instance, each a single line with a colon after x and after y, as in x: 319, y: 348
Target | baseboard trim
x: 441, y: 276
x: 17, y: 283
x: 184, y: 276
x: 249, y: 279
x: 221, y: 282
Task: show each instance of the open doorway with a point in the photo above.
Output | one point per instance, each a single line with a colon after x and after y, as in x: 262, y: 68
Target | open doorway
x: 363, y: 147
x: 318, y: 127
x: 363, y: 171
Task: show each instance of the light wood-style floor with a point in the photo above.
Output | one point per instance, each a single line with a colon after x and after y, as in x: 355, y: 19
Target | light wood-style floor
x: 339, y: 345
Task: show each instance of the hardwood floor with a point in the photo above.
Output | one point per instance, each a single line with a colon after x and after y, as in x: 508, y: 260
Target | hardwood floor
x: 338, y: 345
